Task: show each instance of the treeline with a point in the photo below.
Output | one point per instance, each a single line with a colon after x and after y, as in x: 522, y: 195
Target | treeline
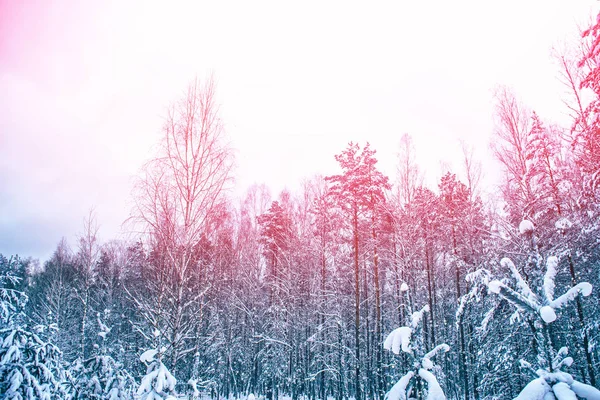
x: 294, y: 295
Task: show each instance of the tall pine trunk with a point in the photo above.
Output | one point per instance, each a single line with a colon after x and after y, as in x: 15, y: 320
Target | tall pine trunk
x: 378, y: 372
x: 356, y: 303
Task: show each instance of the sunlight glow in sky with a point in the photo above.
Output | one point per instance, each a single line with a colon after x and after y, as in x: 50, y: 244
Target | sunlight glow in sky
x: 85, y: 86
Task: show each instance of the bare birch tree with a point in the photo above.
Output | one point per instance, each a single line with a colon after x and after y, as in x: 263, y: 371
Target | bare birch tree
x: 87, y: 258
x: 174, y: 200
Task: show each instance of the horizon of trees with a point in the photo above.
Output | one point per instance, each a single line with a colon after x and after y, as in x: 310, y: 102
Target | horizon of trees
x: 294, y: 294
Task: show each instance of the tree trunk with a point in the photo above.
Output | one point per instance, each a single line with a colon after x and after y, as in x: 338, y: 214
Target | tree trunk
x: 462, y: 365
x: 378, y: 377
x: 356, y: 304
x: 580, y: 316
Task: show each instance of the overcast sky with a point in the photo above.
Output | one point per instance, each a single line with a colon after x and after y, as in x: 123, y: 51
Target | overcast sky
x: 84, y: 87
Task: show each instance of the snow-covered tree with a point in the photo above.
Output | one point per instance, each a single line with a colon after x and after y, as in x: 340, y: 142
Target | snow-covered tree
x: 29, y: 367
x: 158, y: 383
x: 12, y: 300
x: 540, y: 308
x: 587, y: 143
x: 410, y: 340
x: 100, y: 376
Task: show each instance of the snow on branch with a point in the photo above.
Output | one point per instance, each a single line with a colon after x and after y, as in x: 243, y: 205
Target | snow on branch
x: 549, y: 276
x: 411, y: 340
x: 398, y: 391
x: 583, y: 288
x: 526, y: 227
x: 512, y: 296
x: 434, y: 390
x: 521, y: 284
x: 440, y: 347
x: 417, y: 316
x: 552, y: 382
x: 399, y: 337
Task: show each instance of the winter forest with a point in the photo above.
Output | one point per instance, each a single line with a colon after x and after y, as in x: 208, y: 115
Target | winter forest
x: 358, y: 286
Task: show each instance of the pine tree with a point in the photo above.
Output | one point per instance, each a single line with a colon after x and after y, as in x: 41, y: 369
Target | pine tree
x: 360, y: 192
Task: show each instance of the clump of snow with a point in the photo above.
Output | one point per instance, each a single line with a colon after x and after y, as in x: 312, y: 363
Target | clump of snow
x: 434, y: 390
x: 495, y: 286
x: 15, y: 379
x: 547, y: 313
x: 156, y: 333
x: 557, y: 362
x: 403, y: 287
x: 563, y: 223
x: 251, y: 397
x: 398, y: 338
x: 568, y: 361
x: 551, y: 265
x: 507, y: 263
x: 427, y: 363
x: 563, y: 392
x: 585, y: 391
x: 398, y: 391
x: 526, y: 227
x: 563, y: 351
x: 148, y: 356
x: 534, y: 390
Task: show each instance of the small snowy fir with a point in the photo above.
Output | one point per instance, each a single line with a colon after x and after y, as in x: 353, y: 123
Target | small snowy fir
x: 158, y: 383
x: 409, y: 339
x: 557, y: 384
x: 193, y: 388
x: 103, y: 329
x: 526, y: 227
x: 12, y: 302
x: 100, y: 376
x: 551, y: 382
x: 29, y: 367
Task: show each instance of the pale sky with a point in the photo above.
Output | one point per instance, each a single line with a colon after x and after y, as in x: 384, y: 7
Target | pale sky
x: 84, y: 87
